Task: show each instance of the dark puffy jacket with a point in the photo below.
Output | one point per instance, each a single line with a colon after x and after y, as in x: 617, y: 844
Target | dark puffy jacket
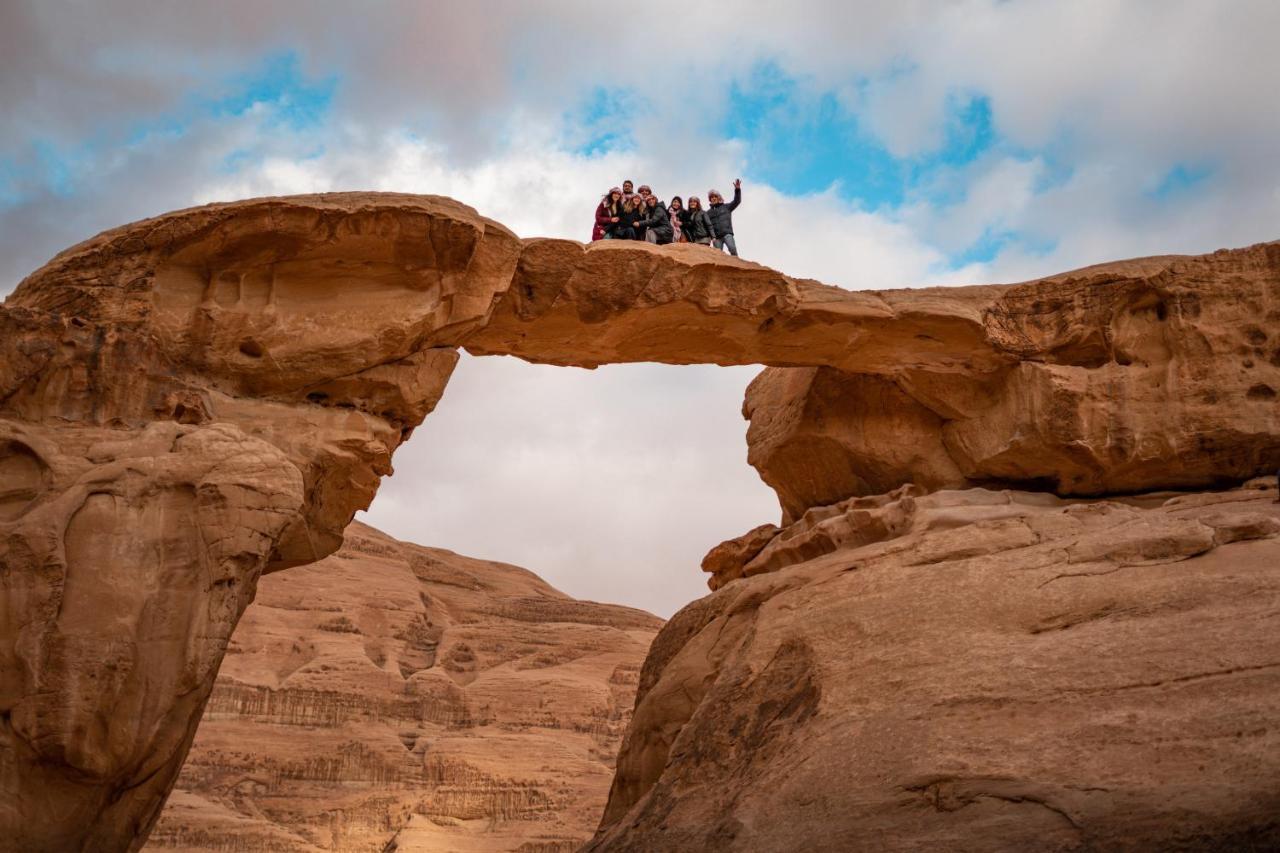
x: 626, y: 220
x: 722, y: 214
x: 695, y: 225
x: 658, y: 221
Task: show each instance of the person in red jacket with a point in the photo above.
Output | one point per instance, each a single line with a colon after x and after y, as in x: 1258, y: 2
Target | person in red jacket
x: 607, y: 213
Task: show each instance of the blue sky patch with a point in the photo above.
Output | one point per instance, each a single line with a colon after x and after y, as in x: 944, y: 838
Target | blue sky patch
x: 984, y: 249
x: 969, y: 130
x: 1180, y: 179
x: 289, y: 101
x: 804, y: 141
x: 602, y: 122
x: 994, y: 241
x: 279, y: 83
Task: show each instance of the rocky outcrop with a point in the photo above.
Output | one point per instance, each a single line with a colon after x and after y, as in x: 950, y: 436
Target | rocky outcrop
x: 1159, y: 373
x: 186, y: 403
x: 323, y: 326
x: 399, y: 697
x: 125, y: 559
x: 193, y: 400
x: 619, y: 301
x: 972, y: 670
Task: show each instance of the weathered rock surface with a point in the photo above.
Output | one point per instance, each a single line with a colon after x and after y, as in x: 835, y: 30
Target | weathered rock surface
x: 320, y: 324
x: 399, y: 697
x: 1138, y: 375
x: 125, y: 559
x: 993, y: 671
x: 619, y: 301
x: 193, y: 400
x: 186, y: 403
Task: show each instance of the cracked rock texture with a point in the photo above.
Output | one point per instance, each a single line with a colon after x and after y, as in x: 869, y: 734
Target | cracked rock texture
x: 126, y: 557
x: 1124, y: 377
x: 190, y: 402
x: 399, y: 697
x: 186, y: 403
x: 971, y: 670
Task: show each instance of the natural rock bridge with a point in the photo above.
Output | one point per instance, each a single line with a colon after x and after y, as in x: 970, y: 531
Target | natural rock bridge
x: 190, y: 401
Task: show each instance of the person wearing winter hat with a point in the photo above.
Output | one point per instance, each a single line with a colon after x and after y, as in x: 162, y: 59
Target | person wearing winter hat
x: 657, y: 222
x: 607, y: 214
x: 721, y: 216
x: 694, y: 223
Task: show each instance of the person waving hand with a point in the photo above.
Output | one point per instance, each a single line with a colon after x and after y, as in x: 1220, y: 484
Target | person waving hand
x: 721, y: 216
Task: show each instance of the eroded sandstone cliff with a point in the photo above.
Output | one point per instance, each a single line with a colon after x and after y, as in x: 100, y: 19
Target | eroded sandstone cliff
x: 185, y: 403
x: 399, y: 697
x: 1137, y: 375
x: 190, y: 401
x: 972, y: 670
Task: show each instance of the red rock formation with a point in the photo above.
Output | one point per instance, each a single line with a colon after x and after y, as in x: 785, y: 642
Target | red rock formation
x: 185, y: 403
x: 1157, y: 373
x: 398, y: 696
x: 321, y: 324
x: 126, y: 558
x: 192, y: 400
x: 973, y: 670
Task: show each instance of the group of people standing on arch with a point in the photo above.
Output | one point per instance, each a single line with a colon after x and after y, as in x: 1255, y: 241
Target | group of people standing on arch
x: 624, y: 214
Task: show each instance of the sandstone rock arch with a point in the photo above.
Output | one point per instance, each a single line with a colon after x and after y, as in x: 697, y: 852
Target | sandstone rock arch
x: 189, y: 401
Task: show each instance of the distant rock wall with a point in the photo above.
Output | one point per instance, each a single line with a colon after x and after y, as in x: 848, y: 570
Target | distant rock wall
x: 399, y: 697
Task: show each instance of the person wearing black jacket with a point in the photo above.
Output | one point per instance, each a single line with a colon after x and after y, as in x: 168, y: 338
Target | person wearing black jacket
x: 628, y: 215
x: 694, y: 222
x: 721, y: 215
x: 657, y: 222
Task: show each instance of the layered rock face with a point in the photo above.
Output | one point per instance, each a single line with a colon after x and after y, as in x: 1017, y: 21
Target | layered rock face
x: 1137, y: 375
x: 399, y: 697
x: 185, y: 403
x: 191, y: 401
x: 972, y: 670
x: 321, y: 326
x: 127, y: 558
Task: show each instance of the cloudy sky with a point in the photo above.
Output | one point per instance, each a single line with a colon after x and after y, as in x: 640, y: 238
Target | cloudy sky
x: 880, y: 145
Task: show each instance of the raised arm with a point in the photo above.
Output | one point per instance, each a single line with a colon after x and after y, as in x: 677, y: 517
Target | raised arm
x: 737, y: 195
